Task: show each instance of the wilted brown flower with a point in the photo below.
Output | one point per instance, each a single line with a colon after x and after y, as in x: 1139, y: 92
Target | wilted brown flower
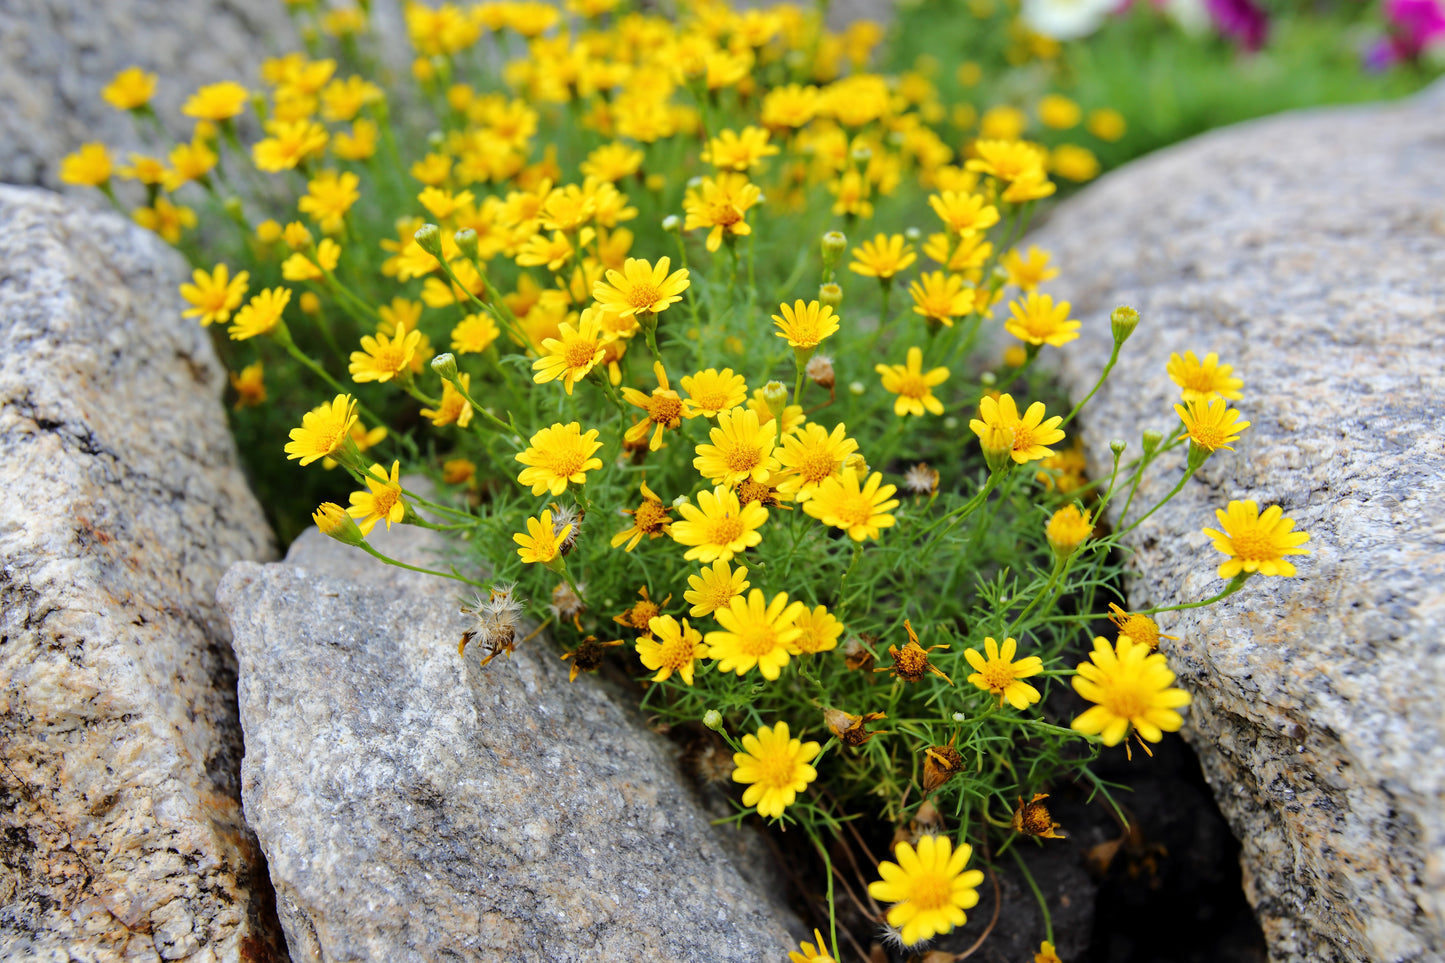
x: 1032, y: 818
x: 849, y: 728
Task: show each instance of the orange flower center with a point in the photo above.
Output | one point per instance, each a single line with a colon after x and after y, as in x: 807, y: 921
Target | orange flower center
x: 1126, y: 699
x: 579, y: 354
x: 642, y: 296
x: 816, y: 466
x: 757, y: 638
x: 775, y: 767
x: 1254, y: 545
x: 1207, y: 435
x: 641, y: 614
x: 930, y: 891
x: 726, y: 530
x: 741, y: 458
x: 650, y: 516
x: 997, y: 675
x: 664, y: 407
x: 564, y: 463
x: 912, y: 385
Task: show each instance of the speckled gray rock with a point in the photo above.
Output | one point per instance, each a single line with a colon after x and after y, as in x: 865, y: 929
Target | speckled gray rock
x: 1308, y: 250
x: 413, y: 806
x: 56, y: 55
x: 121, y: 504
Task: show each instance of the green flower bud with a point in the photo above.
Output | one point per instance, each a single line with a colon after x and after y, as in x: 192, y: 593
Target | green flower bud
x: 445, y: 365
x: 466, y: 240
x: 1152, y: 439
x: 713, y: 720
x: 775, y: 396
x: 333, y: 521
x: 1123, y: 322
x: 1117, y: 446
x: 830, y: 295
x: 834, y: 244
x: 429, y: 236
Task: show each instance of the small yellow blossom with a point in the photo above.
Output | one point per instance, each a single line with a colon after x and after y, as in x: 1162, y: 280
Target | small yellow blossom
x: 755, y: 633
x: 383, y: 357
x: 166, y: 219
x: 940, y: 298
x: 1256, y: 541
x: 719, y: 526
x: 1131, y: 687
x: 649, y: 518
x: 711, y: 392
x: 731, y: 150
x: 715, y: 587
x: 741, y: 449
x: 557, y: 456
x: 130, y: 89
x: 323, y: 431
x: 474, y: 334
x: 1030, y: 432
x: 329, y: 195
x: 639, y: 288
x: 882, y: 257
x: 672, y: 647
x: 996, y: 672
x: 860, y: 509
x: 1027, y: 272
x: 382, y: 502
x: 573, y: 353
x: 1211, y: 423
x: 1202, y: 380
x: 805, y: 325
x: 454, y: 409
x: 217, y: 102
x: 913, y: 386
x: 663, y: 410
x: 541, y: 543
x: 261, y: 314
x: 1037, y: 320
x: 215, y: 295
x: 249, y: 385
x: 775, y: 769
x: 928, y: 888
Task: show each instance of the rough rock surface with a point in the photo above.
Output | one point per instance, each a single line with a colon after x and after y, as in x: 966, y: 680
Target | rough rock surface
x: 1308, y: 250
x: 56, y: 55
x: 121, y: 505
x: 413, y: 806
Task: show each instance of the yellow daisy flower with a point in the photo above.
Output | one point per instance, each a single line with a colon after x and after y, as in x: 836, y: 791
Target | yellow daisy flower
x: 1027, y: 272
x: 129, y: 89
x: 963, y: 213
x: 217, y: 102
x: 755, y: 633
x: 639, y: 288
x: 715, y: 587
x: 249, y: 385
x: 940, y: 298
x: 90, y: 166
x: 882, y: 257
x: 775, y: 769
x: 574, y: 353
x: 912, y: 385
x: 1256, y: 541
x: 672, y: 647
x: 663, y: 408
x: 1140, y: 628
x: 558, y: 455
x: 261, y: 314
x: 474, y: 334
x: 928, y: 888
x: 329, y: 195
x: 1036, y: 320
x: 1031, y: 433
x: 213, y: 296
x: 710, y: 392
x: 721, y: 203
x: 734, y: 151
x: 166, y: 219
x: 741, y: 449
x: 718, y: 526
x: 649, y: 518
x: 1202, y: 380
x: 290, y: 143
x: 1001, y: 675
x: 820, y: 631
x: 1131, y: 687
x: 541, y: 543
x: 805, y: 325
x: 382, y: 503
x: 323, y: 431
x: 860, y: 509
x: 1211, y: 423
x: 811, y: 456
x: 383, y: 357
x: 1067, y: 529
x: 1007, y: 160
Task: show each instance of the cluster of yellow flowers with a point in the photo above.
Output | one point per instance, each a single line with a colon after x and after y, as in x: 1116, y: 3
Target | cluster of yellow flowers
x: 508, y: 236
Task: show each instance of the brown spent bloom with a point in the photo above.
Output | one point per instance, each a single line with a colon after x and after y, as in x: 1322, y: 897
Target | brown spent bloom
x: 940, y: 764
x: 641, y: 613
x: 857, y: 656
x: 911, y: 662
x: 764, y: 495
x: 1032, y: 818
x: 849, y: 728
x: 588, y: 656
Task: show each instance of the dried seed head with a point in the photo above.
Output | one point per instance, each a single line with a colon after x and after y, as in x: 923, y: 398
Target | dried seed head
x: 940, y: 764
x: 849, y: 728
x: 588, y: 656
x: 921, y: 479
x: 856, y: 655
x: 820, y: 370
x: 1032, y: 818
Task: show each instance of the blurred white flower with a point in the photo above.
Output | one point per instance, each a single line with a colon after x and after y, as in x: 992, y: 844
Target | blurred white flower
x: 1066, y: 19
